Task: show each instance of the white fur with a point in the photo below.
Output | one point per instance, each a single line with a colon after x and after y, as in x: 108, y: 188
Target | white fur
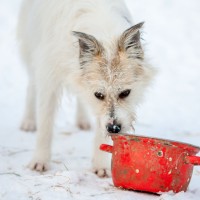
x: 51, y: 54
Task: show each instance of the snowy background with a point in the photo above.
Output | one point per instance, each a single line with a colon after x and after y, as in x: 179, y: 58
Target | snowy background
x: 171, y: 109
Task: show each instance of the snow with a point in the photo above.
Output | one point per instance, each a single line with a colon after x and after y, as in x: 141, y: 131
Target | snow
x: 171, y: 109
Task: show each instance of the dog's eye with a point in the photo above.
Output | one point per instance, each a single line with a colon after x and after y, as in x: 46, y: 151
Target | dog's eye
x: 124, y: 94
x: 99, y: 95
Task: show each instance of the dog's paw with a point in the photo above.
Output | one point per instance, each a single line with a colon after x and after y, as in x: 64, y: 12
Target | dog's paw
x: 40, y: 166
x: 83, y: 125
x: 102, y: 173
x: 28, y: 125
x: 41, y: 159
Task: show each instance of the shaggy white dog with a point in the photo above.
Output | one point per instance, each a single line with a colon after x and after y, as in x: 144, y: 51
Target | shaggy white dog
x: 91, y: 48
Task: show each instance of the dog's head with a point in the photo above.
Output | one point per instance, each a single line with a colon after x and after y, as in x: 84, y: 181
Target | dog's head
x: 113, y: 77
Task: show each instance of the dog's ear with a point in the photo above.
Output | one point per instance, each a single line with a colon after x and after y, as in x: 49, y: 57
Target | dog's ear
x: 130, y: 42
x: 89, y: 47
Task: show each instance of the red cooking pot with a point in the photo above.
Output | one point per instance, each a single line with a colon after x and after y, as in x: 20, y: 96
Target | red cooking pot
x: 151, y: 164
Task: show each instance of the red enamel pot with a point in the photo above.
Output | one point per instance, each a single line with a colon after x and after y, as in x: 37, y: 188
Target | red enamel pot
x: 151, y: 164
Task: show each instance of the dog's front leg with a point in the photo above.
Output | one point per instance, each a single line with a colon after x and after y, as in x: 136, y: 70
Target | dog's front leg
x: 82, y: 118
x: 29, y: 119
x: 47, y: 102
x: 101, y: 160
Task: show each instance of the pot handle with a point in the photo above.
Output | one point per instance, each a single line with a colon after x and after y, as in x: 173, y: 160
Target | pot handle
x: 106, y: 147
x: 195, y: 160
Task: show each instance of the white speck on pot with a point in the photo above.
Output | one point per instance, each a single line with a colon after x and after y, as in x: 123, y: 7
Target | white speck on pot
x: 137, y: 171
x: 170, y: 172
x: 170, y: 159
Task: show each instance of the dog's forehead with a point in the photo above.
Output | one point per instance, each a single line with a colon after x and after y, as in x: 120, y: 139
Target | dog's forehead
x: 116, y: 72
x: 110, y: 74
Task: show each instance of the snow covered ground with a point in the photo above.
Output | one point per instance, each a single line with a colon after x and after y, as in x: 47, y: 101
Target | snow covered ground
x: 171, y: 109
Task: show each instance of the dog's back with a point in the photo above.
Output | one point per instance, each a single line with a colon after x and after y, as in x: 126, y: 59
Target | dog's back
x: 50, y: 22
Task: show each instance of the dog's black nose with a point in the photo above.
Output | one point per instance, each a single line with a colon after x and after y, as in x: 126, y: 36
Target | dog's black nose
x: 113, y: 128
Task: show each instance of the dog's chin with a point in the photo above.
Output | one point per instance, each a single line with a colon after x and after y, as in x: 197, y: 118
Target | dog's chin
x: 128, y: 130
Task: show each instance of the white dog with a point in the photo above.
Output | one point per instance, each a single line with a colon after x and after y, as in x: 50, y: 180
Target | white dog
x: 92, y: 48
